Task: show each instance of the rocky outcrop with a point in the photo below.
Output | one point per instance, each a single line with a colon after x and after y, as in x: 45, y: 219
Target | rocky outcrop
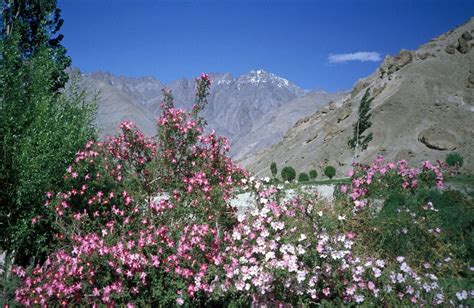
x: 425, y: 55
x: 438, y: 139
x: 312, y: 138
x: 378, y: 90
x: 450, y: 49
x: 463, y: 46
x: 470, y: 80
x: 330, y: 130
x: 360, y: 84
x: 403, y: 58
x: 343, y: 114
x: 392, y: 64
x: 466, y: 35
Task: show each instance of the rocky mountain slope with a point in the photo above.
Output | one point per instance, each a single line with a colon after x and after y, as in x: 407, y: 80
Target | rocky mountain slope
x: 423, y: 108
x: 273, y: 125
x: 240, y: 108
x: 116, y: 105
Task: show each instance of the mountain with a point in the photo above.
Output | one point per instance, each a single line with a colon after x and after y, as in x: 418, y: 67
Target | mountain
x: 235, y: 104
x: 116, y: 105
x: 272, y: 126
x: 240, y: 108
x: 423, y: 108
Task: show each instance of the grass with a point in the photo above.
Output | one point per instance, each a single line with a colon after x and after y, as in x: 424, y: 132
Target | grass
x: 463, y: 183
x: 319, y: 182
x: 327, y: 181
x: 461, y: 179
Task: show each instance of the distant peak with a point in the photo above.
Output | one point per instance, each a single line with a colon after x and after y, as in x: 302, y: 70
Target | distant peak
x: 258, y: 76
x: 222, y: 78
x: 259, y: 72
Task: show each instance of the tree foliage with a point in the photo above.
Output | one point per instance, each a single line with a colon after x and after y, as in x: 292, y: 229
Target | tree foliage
x: 37, y: 23
x: 359, y: 140
x: 41, y: 129
x: 330, y: 171
x: 288, y: 173
x: 274, y: 169
x: 313, y: 174
x: 303, y: 177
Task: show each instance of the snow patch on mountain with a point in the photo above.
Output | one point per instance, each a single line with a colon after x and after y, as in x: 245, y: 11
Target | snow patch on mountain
x: 261, y: 76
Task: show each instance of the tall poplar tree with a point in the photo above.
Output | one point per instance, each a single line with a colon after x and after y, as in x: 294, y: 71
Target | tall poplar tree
x: 360, y: 141
x: 38, y: 23
x: 42, y: 124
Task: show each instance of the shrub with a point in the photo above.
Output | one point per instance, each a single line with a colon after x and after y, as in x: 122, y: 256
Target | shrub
x: 288, y: 173
x: 313, y: 174
x: 454, y: 159
x: 406, y: 223
x: 282, y: 253
x: 401, y: 211
x: 379, y: 178
x: 330, y: 171
x: 273, y: 169
x: 303, y: 177
x: 143, y: 218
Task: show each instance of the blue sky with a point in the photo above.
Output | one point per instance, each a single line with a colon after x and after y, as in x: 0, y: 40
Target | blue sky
x: 315, y: 44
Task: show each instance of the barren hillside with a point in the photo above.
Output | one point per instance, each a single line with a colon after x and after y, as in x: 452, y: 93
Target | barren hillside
x: 423, y: 108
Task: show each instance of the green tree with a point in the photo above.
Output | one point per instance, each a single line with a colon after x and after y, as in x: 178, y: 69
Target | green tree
x: 303, y: 177
x: 40, y: 131
x: 288, y: 173
x: 360, y: 141
x: 273, y: 169
x: 38, y: 23
x: 313, y: 174
x: 330, y: 171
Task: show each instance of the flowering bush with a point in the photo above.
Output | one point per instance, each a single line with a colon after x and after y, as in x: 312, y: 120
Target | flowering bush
x: 142, y: 219
x: 280, y: 252
x: 408, y: 226
x: 379, y: 177
x: 400, y: 210
x: 148, y: 222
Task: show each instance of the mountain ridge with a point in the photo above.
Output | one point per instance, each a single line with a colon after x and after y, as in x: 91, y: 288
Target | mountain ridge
x: 236, y: 104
